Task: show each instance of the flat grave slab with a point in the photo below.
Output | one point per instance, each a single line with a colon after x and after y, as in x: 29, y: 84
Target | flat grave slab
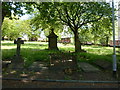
x: 103, y: 64
x: 86, y: 67
x: 15, y: 66
x: 37, y: 66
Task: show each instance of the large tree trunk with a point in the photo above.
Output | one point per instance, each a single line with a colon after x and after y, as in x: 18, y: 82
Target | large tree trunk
x: 77, y: 42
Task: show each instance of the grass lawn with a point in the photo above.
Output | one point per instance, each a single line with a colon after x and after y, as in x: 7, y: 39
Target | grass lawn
x: 37, y: 51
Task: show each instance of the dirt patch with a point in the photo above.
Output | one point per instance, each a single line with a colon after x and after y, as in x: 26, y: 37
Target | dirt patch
x: 53, y: 73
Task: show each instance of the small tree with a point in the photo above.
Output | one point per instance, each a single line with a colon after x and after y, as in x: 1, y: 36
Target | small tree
x: 15, y: 28
x: 102, y: 30
x: 9, y: 29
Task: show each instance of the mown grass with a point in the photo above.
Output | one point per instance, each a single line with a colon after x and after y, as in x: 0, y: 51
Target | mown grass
x: 37, y: 51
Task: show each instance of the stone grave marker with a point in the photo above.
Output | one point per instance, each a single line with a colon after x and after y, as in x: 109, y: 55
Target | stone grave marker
x: 103, y: 64
x: 18, y: 42
x: 17, y: 61
x: 86, y: 67
x: 52, y: 38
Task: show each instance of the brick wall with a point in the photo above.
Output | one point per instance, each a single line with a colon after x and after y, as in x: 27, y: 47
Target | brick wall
x: 117, y: 42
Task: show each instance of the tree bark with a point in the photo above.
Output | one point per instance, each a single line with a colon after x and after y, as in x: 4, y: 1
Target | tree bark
x: 77, y: 42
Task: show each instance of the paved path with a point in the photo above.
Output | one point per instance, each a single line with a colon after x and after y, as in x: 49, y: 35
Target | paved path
x: 41, y: 84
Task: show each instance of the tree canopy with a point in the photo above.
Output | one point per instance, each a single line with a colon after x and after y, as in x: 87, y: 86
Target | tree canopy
x: 76, y: 15
x: 16, y: 28
x: 83, y: 19
x: 9, y: 8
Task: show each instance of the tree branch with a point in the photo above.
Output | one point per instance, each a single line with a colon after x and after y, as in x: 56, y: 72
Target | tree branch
x: 60, y: 16
x: 67, y: 20
x: 79, y: 15
x: 90, y: 21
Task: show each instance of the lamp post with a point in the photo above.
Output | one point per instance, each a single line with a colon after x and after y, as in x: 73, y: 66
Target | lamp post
x: 114, y: 51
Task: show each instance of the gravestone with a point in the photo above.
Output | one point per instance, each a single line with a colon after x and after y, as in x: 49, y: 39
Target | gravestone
x: 52, y: 39
x: 17, y: 61
x: 18, y: 42
x: 86, y: 67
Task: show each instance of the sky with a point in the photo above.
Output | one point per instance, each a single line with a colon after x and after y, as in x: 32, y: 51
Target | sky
x: 25, y: 17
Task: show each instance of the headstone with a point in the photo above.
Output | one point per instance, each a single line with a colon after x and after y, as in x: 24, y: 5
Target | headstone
x: 17, y: 61
x: 52, y: 38
x: 86, y: 67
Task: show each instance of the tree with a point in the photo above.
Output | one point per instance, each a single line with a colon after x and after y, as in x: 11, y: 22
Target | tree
x: 9, y: 8
x: 16, y: 28
x: 102, y: 30
x: 86, y: 35
x: 25, y: 27
x: 9, y: 29
x: 73, y: 14
x: 45, y: 21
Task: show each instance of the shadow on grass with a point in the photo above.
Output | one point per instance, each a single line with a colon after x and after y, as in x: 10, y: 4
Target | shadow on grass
x: 8, y: 53
x: 89, y: 57
x: 31, y: 55
x: 28, y: 44
x: 35, y: 44
x: 8, y: 44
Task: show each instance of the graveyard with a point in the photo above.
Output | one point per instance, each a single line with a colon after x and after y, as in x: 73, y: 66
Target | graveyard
x: 36, y: 62
x: 60, y: 44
